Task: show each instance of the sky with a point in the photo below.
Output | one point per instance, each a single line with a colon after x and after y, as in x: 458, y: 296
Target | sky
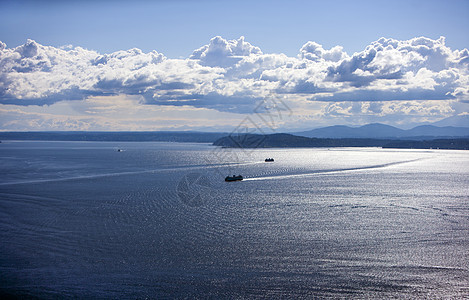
x: 213, y: 65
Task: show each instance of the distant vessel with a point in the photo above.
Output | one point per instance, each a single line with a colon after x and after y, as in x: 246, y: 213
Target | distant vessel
x: 269, y: 159
x: 234, y: 178
x: 119, y: 150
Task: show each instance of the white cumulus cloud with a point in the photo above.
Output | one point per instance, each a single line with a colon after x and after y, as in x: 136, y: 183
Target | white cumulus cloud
x: 234, y: 76
x: 221, y: 52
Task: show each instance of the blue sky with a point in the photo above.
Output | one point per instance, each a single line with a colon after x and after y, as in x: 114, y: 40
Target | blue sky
x: 206, y: 65
x: 177, y: 27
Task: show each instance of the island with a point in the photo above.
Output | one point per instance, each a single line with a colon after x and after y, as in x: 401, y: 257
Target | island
x: 284, y: 140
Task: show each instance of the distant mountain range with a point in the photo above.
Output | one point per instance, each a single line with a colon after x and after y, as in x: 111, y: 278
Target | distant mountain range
x: 370, y: 131
x: 381, y: 131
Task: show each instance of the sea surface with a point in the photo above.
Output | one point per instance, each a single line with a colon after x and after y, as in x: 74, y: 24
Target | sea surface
x: 157, y: 220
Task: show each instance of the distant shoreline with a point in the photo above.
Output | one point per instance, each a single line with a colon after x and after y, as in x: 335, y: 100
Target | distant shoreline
x: 279, y: 140
x: 115, y: 136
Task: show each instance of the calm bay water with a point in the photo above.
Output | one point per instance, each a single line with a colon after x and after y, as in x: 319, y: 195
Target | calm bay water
x: 157, y: 220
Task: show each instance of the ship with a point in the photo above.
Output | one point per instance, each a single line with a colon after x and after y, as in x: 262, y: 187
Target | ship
x: 234, y: 178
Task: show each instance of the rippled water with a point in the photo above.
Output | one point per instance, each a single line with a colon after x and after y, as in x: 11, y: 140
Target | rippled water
x: 157, y: 220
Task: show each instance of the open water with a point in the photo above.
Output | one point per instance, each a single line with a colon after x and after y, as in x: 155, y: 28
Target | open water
x: 157, y: 220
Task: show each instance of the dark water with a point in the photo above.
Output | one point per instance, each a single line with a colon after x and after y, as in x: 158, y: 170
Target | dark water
x: 157, y: 220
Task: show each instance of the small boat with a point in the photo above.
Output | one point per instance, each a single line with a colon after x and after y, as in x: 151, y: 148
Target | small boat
x: 234, y: 178
x: 119, y: 150
x: 269, y: 159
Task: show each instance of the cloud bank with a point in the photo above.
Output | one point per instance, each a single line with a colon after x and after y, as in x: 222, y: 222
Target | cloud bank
x: 395, y: 81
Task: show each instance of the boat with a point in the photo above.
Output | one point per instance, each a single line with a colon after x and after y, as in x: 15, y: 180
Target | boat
x: 269, y: 159
x: 234, y: 178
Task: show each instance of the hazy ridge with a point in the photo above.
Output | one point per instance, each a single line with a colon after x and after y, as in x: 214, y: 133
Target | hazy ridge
x: 386, y: 131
